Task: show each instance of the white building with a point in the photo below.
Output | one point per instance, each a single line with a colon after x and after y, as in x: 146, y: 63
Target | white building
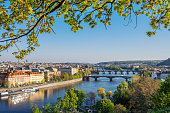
x: 69, y: 70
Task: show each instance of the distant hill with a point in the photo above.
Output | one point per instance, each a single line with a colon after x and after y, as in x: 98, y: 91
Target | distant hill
x: 166, y: 62
x: 148, y: 62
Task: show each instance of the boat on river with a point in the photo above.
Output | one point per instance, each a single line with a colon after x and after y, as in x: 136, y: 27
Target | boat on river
x: 31, y: 90
x: 18, y: 92
x: 4, y: 94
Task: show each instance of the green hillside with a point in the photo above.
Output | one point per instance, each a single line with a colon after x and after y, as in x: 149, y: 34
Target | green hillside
x: 166, y: 62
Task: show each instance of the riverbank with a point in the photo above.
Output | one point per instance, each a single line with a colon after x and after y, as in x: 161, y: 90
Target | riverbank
x: 44, y: 86
x: 60, y: 84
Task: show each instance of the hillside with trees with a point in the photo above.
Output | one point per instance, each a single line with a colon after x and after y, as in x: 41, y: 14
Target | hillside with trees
x: 166, y: 63
x: 148, y: 62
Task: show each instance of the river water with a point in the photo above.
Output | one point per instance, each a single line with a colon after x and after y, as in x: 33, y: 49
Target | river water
x: 22, y: 103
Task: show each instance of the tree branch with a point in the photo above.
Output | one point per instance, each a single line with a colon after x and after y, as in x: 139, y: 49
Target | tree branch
x: 56, y: 7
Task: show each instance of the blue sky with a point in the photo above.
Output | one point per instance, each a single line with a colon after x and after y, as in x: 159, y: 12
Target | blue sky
x: 117, y: 42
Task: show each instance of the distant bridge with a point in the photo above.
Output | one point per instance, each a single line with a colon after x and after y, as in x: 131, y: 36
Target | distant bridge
x: 115, y: 71
x: 87, y: 78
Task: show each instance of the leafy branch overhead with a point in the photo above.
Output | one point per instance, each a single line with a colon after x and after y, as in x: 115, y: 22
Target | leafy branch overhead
x: 26, y: 19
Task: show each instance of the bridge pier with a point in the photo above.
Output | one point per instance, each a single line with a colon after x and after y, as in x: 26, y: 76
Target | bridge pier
x: 95, y: 78
x: 115, y: 72
x: 83, y: 78
x: 110, y: 72
x: 122, y: 72
x: 126, y: 79
x: 87, y: 78
x: 110, y: 79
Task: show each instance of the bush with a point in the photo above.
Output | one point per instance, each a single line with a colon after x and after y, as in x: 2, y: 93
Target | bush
x: 104, y: 106
x: 43, y: 81
x: 12, y: 85
x: 119, y: 109
x: 7, y: 84
x: 16, y: 84
x: 33, y: 82
x: 162, y: 97
x: 161, y: 110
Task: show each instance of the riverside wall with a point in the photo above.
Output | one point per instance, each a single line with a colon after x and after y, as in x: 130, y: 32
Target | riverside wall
x: 44, y: 86
x: 60, y: 84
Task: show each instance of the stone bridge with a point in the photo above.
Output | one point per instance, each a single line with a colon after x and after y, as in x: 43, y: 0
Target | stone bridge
x: 87, y: 78
x: 115, y: 71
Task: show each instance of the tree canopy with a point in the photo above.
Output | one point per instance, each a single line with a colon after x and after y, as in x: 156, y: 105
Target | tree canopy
x: 26, y: 19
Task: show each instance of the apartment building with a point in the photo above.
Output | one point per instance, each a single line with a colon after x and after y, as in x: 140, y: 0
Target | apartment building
x: 15, y: 78
x: 49, y: 73
x: 68, y: 70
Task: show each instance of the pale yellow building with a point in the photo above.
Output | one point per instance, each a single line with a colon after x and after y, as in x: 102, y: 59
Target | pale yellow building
x: 49, y: 73
x: 69, y: 70
x: 36, y: 77
x: 15, y: 78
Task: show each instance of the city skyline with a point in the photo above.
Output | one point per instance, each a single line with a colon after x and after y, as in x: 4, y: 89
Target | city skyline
x: 117, y: 42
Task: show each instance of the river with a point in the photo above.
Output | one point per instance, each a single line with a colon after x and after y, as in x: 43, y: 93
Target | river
x: 22, y: 103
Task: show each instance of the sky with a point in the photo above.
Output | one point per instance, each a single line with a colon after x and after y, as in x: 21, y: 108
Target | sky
x: 117, y: 42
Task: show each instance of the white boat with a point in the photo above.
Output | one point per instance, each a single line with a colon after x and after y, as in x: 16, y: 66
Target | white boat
x: 3, y: 93
x: 31, y: 90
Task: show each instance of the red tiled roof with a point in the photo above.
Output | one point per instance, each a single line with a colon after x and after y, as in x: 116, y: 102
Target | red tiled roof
x: 15, y: 73
x: 34, y: 73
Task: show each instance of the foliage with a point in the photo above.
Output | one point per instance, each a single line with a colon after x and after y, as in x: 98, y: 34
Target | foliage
x: 32, y: 82
x: 145, y: 74
x: 136, y: 95
x: 70, y: 100
x: 118, y: 108
x: 38, y: 16
x: 65, y: 76
x: 35, y: 109
x: 73, y: 98
x: 7, y: 84
x: 141, y: 92
x: 81, y: 96
x: 90, y: 98
x: 122, y: 94
x: 109, y: 94
x: 86, y: 72
x: 12, y: 85
x: 16, y: 84
x: 166, y: 62
x: 25, y: 83
x: 70, y: 76
x: 161, y: 110
x: 101, y: 92
x: 104, y: 106
x: 162, y: 97
x: 43, y: 81
x: 57, y: 78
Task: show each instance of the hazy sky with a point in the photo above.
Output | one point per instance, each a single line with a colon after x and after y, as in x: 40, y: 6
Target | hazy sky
x: 117, y: 42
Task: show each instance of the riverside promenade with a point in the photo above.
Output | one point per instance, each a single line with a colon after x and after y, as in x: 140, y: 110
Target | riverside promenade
x: 44, y: 86
x: 60, y: 84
